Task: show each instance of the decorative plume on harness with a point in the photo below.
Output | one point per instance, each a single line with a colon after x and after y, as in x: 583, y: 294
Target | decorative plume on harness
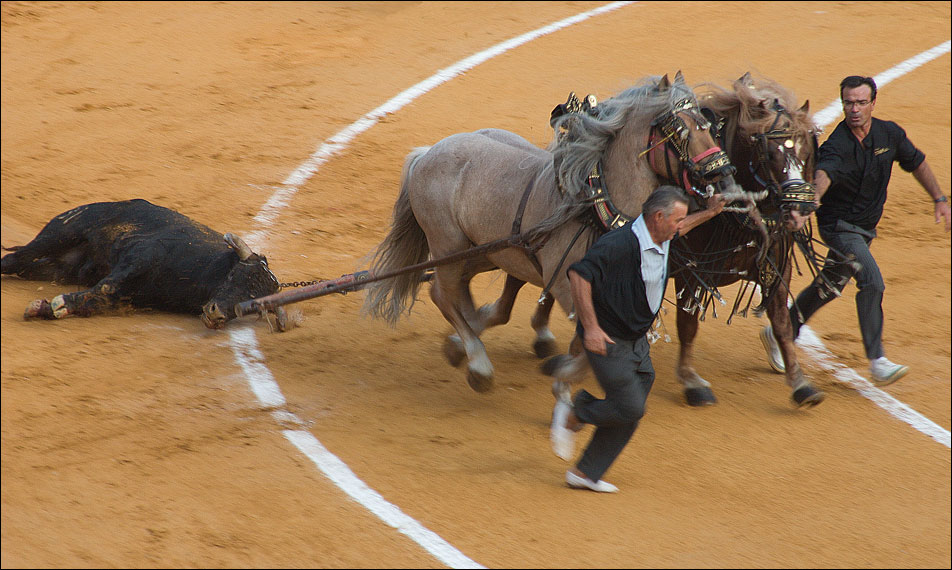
x: 606, y: 215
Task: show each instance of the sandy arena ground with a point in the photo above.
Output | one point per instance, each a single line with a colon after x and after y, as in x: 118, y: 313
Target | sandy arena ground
x: 135, y: 441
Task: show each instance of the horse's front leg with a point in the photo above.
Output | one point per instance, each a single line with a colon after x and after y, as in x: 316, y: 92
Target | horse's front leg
x: 570, y: 369
x: 697, y: 390
x: 804, y: 394
x: 544, y: 344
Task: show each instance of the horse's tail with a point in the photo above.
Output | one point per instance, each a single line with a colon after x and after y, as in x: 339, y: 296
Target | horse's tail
x: 405, y: 245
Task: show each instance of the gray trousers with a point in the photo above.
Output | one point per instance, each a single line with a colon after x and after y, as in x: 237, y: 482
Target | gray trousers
x: 626, y: 375
x: 847, y: 239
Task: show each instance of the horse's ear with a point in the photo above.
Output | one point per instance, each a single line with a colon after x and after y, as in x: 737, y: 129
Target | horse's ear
x: 746, y: 80
x: 805, y: 109
x: 665, y: 83
x: 678, y: 77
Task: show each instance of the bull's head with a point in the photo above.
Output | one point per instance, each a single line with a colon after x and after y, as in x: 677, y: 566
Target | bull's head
x: 249, y: 278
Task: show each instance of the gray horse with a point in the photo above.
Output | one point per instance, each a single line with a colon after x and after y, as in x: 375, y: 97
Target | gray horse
x: 474, y: 188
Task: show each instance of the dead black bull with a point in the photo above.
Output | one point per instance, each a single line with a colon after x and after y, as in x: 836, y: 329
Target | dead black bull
x: 143, y: 255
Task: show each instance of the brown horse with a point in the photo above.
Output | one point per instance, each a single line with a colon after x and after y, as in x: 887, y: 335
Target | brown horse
x: 473, y: 188
x: 774, y: 149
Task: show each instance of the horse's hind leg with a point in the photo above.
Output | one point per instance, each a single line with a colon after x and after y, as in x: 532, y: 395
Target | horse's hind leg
x: 450, y: 293
x: 499, y: 312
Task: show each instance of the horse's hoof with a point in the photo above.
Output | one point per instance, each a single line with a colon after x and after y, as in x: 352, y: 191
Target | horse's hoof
x: 453, y: 350
x: 552, y: 366
x: 702, y: 396
x: 38, y: 309
x: 807, y: 397
x: 544, y: 348
x: 479, y: 382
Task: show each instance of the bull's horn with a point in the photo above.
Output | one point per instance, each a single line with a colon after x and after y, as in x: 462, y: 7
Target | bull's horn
x: 244, y: 252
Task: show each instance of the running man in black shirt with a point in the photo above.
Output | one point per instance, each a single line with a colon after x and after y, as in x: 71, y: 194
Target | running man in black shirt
x: 617, y: 290
x: 852, y: 173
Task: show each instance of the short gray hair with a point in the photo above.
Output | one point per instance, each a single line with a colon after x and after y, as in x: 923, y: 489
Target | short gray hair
x: 663, y: 199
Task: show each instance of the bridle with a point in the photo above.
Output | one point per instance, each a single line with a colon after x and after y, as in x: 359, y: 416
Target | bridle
x: 794, y: 193
x: 668, y: 141
x: 670, y: 136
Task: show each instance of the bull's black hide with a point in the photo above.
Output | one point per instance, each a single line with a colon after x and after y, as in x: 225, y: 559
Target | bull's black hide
x: 145, y: 255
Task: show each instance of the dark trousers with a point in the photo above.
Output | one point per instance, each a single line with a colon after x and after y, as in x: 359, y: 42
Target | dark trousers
x: 847, y: 239
x: 626, y: 375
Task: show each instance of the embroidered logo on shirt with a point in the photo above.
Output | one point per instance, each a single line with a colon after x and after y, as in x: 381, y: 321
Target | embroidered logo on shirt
x: 880, y: 151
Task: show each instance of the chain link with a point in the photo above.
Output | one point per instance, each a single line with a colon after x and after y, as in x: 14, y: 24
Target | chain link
x: 301, y: 283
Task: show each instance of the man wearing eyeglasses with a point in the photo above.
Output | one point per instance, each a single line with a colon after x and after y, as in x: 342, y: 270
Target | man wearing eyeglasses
x: 852, y: 173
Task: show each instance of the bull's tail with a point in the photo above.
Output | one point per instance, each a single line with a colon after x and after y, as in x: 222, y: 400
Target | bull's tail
x: 405, y: 245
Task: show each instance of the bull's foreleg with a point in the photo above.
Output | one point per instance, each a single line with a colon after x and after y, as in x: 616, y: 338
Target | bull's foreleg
x: 98, y: 300
x: 697, y: 390
x: 803, y: 394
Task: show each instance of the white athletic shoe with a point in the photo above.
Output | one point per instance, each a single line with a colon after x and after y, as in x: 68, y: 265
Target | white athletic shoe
x: 774, y: 357
x: 885, y: 372
x: 562, y: 438
x: 599, y: 486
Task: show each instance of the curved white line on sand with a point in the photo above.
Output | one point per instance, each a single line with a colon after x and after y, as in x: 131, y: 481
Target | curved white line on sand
x: 244, y: 343
x: 812, y: 344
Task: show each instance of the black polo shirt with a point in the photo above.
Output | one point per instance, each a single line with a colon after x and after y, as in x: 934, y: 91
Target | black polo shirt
x: 613, y: 267
x: 859, y: 172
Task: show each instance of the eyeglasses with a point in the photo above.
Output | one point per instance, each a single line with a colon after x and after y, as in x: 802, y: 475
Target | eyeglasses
x: 861, y: 104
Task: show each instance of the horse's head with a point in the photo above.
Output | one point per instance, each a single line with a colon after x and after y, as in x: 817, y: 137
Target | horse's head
x: 681, y: 147
x: 778, y: 147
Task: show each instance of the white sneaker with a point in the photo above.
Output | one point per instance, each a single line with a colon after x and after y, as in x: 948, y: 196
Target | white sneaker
x: 774, y: 357
x: 562, y: 438
x: 600, y: 486
x: 885, y: 372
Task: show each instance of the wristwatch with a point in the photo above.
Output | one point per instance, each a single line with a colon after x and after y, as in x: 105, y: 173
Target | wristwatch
x: 941, y: 199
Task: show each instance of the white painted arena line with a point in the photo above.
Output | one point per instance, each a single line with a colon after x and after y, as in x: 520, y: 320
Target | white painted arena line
x: 251, y: 360
x: 244, y: 344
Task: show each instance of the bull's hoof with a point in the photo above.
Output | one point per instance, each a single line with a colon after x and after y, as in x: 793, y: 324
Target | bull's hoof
x: 453, y: 350
x: 544, y: 348
x: 39, y: 309
x: 807, y: 397
x: 479, y: 382
x: 697, y: 397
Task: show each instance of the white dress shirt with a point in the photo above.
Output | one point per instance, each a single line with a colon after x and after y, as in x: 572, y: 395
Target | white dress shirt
x: 654, y: 263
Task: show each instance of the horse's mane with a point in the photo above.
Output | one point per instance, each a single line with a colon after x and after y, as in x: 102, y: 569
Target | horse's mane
x: 585, y: 138
x: 742, y: 105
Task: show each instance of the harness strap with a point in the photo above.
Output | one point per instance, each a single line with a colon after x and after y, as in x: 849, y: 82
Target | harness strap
x: 517, y: 229
x: 545, y: 291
